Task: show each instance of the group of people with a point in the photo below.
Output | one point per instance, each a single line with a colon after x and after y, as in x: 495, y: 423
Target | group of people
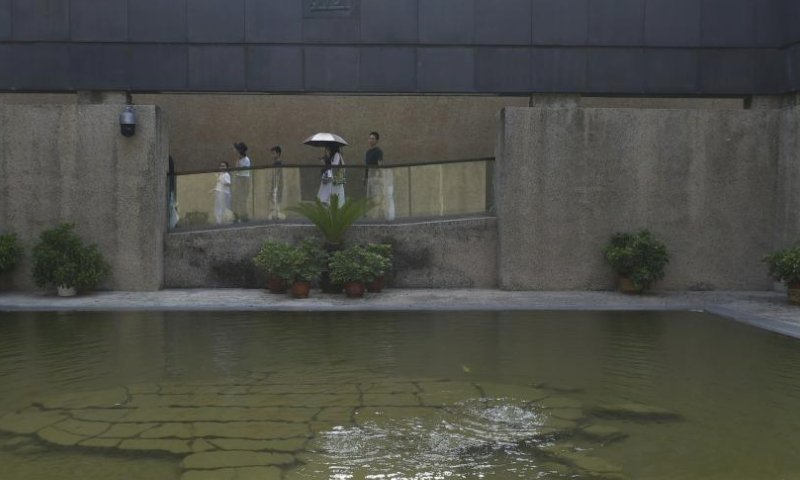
x: 231, y: 197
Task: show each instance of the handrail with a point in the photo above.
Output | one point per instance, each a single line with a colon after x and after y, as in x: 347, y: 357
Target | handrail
x: 357, y: 166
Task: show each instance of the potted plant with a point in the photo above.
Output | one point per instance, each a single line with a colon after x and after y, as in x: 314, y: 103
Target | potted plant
x: 639, y: 260
x: 62, y: 260
x: 10, y: 253
x: 274, y: 259
x: 349, y: 268
x: 784, y: 266
x: 333, y: 221
x: 305, y: 267
x: 380, y: 263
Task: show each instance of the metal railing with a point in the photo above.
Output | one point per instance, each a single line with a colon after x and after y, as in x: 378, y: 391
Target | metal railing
x: 265, y: 193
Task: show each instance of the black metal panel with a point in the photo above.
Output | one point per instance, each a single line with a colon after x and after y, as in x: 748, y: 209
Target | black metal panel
x: 771, y: 72
x: 729, y: 23
x: 159, y: 67
x: 157, y: 20
x: 274, y: 21
x: 388, y: 69
x: 447, y: 21
x: 40, y: 20
x: 503, y: 69
x: 215, y: 21
x: 793, y: 74
x: 560, y: 22
x: 672, y: 23
x: 5, y: 20
x: 100, y: 67
x: 274, y: 68
x: 558, y: 69
x: 389, y: 21
x: 791, y: 24
x: 217, y: 68
x: 616, y: 22
x: 446, y: 69
x: 99, y: 20
x: 331, y: 30
x: 672, y: 71
x: 503, y: 22
x: 728, y: 71
x: 616, y: 70
x: 34, y: 67
x: 332, y: 69
x: 769, y: 16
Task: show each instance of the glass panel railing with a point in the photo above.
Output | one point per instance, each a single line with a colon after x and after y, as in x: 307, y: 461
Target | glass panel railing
x: 266, y: 194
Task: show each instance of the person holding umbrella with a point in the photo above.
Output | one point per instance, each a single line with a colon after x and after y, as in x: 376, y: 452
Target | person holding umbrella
x: 333, y: 179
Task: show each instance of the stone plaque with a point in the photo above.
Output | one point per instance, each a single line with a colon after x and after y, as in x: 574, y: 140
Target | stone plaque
x: 330, y: 8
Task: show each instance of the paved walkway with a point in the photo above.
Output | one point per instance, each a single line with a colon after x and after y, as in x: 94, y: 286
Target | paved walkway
x: 766, y: 309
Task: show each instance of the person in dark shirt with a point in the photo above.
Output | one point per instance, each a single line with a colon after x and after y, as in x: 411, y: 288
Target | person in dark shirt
x: 277, y: 184
x: 373, y: 157
x: 378, y: 181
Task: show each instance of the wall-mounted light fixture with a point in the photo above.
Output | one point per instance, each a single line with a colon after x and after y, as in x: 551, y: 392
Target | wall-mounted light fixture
x: 127, y: 121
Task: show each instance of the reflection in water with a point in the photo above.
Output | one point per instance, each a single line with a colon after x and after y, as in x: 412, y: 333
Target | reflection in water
x: 363, y: 383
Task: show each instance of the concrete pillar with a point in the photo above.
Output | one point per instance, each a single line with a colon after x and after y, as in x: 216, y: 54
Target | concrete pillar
x: 555, y: 100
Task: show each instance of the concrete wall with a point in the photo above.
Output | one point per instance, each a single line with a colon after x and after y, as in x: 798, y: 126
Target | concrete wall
x: 457, y: 253
x: 69, y: 163
x: 787, y: 209
x: 702, y: 180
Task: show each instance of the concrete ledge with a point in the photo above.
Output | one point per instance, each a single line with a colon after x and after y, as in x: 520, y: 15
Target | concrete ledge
x: 767, y: 310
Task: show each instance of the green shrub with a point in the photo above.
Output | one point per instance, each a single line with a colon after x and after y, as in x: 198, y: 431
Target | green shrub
x: 640, y: 257
x: 275, y: 259
x: 351, y: 265
x: 332, y: 220
x: 784, y: 265
x: 61, y: 259
x: 10, y: 252
x: 306, y: 262
x: 380, y: 262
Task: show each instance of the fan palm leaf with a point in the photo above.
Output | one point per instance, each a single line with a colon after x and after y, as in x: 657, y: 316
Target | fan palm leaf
x: 333, y: 220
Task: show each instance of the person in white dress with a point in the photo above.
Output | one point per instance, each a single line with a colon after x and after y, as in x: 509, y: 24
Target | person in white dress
x: 333, y: 179
x: 222, y: 196
x: 241, y: 186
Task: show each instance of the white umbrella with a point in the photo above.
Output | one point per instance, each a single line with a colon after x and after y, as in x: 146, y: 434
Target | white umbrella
x: 324, y: 139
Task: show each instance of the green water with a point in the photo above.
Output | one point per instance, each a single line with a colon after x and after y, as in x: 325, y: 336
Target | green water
x: 385, y: 383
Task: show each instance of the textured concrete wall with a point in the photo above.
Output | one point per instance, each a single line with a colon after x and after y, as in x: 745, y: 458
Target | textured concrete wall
x: 702, y: 180
x: 69, y: 163
x: 787, y: 217
x: 457, y: 253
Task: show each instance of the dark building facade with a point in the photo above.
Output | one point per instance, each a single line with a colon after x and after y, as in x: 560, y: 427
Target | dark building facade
x: 637, y: 47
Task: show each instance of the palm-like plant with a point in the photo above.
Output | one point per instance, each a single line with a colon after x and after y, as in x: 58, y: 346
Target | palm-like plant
x: 333, y: 220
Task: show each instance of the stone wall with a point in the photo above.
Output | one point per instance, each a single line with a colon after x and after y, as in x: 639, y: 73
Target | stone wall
x: 702, y: 180
x: 447, y: 254
x: 69, y: 163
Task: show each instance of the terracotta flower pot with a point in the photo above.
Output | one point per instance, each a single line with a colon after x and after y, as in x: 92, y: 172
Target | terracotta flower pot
x: 276, y: 285
x: 354, y: 289
x: 376, y: 285
x: 626, y: 286
x: 301, y: 289
x: 794, y: 293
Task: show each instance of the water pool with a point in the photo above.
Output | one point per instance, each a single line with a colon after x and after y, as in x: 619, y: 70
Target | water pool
x: 440, y: 395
